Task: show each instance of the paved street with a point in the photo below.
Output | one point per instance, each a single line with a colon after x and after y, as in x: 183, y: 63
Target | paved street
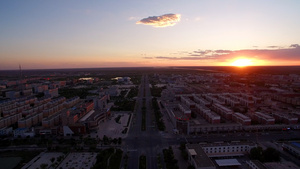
x: 148, y: 142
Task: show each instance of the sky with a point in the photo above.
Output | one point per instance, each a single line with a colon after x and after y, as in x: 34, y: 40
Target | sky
x: 53, y: 34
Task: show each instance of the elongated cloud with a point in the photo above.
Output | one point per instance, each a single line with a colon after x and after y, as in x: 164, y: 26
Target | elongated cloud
x: 161, y: 21
x: 291, y: 53
x: 184, y: 58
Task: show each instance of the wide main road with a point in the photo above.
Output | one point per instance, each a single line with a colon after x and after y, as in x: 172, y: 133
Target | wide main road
x: 148, y: 142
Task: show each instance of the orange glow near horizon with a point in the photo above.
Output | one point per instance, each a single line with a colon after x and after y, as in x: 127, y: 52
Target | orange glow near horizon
x: 242, y: 62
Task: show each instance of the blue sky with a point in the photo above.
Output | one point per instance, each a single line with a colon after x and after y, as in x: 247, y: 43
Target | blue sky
x: 69, y: 34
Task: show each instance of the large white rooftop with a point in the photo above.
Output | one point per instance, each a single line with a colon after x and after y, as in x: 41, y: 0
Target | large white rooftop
x: 227, y: 162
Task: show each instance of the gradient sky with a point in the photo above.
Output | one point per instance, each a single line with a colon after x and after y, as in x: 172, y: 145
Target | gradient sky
x: 78, y: 34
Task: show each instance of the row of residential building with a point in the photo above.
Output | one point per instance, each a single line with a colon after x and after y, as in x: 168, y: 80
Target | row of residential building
x: 214, y: 107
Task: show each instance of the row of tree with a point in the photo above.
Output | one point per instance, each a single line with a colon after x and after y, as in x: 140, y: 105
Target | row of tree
x: 267, y: 155
x: 170, y: 161
x: 108, y: 159
x: 158, y: 116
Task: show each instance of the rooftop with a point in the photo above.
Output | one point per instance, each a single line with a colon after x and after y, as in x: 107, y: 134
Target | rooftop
x: 200, y: 157
x: 227, y: 162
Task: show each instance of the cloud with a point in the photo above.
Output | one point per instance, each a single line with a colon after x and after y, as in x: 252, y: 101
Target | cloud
x: 148, y: 57
x: 295, y: 46
x: 209, y: 53
x: 275, y: 53
x: 291, y: 53
x: 223, y: 51
x: 181, y: 58
x: 273, y: 47
x: 161, y: 21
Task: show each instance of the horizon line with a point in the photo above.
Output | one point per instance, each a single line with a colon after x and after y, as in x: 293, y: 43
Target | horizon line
x: 150, y: 67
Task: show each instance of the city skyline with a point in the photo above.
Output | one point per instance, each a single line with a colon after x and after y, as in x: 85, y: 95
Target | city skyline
x: 54, y: 34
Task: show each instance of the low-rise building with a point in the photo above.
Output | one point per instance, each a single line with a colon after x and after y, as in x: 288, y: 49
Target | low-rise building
x: 264, y: 118
x: 222, y: 110
x: 200, y: 155
x: 255, y: 164
x: 242, y: 119
x: 198, y: 158
x: 227, y: 149
x: 285, y: 118
x: 292, y: 147
x: 207, y: 114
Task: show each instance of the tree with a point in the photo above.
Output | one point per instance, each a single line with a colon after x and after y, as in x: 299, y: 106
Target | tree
x: 270, y: 155
x: 184, y: 154
x: 182, y: 146
x: 105, y: 140
x: 256, y: 153
x: 59, y: 158
x: 194, y: 115
x: 115, y: 141
x: 43, y: 166
x: 120, y: 140
x: 191, y: 167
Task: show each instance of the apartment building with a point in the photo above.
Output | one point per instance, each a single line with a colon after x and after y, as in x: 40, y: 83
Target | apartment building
x: 207, y: 114
x: 9, y: 120
x: 187, y: 101
x: 285, y: 118
x: 241, y: 118
x: 292, y: 147
x: 222, y: 110
x: 198, y: 99
x: 201, y: 156
x: 263, y: 118
x: 227, y: 149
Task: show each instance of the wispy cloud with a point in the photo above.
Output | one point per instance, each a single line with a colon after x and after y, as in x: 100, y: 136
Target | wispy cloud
x: 295, y: 46
x: 182, y: 58
x: 161, y: 21
x: 291, y: 53
x: 209, y: 53
x: 273, y: 47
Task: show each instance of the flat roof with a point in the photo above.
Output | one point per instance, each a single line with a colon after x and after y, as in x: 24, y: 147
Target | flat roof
x: 201, y: 159
x: 228, y: 162
x: 192, y: 152
x: 87, y: 115
x: 179, y: 114
x: 96, y: 113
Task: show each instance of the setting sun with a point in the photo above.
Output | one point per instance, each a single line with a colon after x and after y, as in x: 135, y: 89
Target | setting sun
x: 242, y: 62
